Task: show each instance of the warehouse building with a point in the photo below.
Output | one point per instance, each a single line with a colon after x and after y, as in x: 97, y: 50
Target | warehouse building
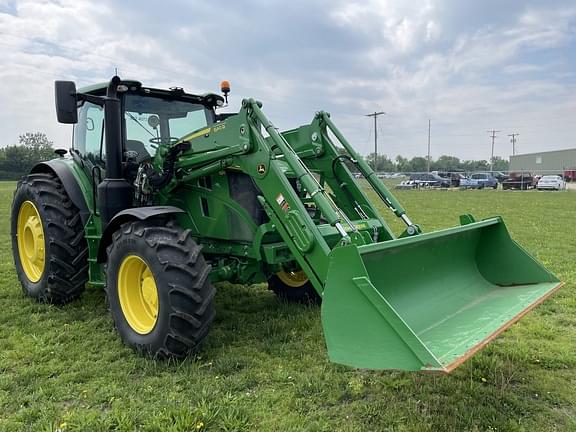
x: 550, y: 162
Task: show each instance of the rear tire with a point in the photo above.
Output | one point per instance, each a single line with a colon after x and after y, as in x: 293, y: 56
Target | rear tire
x: 293, y: 287
x: 158, y: 288
x: 48, y: 243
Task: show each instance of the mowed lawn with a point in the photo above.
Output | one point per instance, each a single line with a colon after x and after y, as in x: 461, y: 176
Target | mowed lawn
x: 265, y: 368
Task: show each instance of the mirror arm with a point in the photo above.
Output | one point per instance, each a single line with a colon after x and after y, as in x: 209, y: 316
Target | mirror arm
x: 96, y: 100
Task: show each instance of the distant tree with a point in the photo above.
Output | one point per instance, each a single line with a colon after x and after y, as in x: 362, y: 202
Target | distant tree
x: 475, y: 165
x: 443, y: 163
x: 38, y: 145
x: 418, y: 164
x: 446, y: 163
x: 500, y: 164
x: 383, y: 163
x: 17, y: 160
x: 402, y: 164
x: 388, y: 164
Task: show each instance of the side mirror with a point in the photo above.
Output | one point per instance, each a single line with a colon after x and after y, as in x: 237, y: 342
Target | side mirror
x: 66, y: 102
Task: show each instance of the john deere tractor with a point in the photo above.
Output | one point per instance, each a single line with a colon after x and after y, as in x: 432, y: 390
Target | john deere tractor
x: 160, y: 196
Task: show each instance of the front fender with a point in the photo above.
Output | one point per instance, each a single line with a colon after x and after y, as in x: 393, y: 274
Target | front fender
x: 128, y: 215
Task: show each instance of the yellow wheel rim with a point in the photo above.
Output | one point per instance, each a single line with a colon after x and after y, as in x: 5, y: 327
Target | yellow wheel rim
x: 31, y: 245
x: 293, y: 279
x: 138, y: 294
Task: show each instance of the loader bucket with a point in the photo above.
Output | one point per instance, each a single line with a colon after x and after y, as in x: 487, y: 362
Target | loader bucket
x: 430, y: 301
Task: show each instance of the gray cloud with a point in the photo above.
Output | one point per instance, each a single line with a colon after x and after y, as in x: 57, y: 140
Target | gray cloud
x: 460, y: 63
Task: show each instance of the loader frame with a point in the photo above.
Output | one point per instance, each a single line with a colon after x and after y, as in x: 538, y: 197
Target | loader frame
x: 303, y: 185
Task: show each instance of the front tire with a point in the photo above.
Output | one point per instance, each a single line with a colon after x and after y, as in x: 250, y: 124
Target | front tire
x: 158, y: 288
x: 293, y: 287
x: 48, y: 244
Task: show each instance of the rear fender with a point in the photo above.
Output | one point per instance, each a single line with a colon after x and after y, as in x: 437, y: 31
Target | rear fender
x: 128, y: 215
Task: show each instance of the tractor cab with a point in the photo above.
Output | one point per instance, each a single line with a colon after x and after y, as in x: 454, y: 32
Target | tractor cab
x: 119, y: 126
x: 150, y: 117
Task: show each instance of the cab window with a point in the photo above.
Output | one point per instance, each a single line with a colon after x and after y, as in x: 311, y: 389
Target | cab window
x: 151, y: 120
x: 184, y: 125
x: 89, y: 132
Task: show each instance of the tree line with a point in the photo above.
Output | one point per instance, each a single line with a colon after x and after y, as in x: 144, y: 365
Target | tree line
x: 17, y: 160
x: 443, y: 163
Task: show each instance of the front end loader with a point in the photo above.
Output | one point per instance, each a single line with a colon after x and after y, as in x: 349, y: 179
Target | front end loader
x: 161, y: 196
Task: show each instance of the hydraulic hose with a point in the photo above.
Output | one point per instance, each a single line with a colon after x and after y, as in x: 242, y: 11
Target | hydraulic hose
x: 160, y: 179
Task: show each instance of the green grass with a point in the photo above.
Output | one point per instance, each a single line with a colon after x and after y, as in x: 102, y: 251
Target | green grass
x: 265, y: 368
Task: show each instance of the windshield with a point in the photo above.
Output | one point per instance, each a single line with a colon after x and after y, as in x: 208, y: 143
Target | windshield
x: 150, y: 120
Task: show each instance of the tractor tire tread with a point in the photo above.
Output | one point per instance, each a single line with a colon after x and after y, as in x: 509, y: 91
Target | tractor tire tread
x: 181, y: 271
x: 66, y: 265
x: 306, y: 294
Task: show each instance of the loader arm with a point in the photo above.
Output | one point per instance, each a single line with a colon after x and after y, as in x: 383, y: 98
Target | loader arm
x: 418, y: 302
x: 347, y: 217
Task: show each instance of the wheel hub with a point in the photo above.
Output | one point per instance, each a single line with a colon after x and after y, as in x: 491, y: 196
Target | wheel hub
x: 31, y: 245
x: 138, y: 294
x: 150, y: 294
x: 294, y: 279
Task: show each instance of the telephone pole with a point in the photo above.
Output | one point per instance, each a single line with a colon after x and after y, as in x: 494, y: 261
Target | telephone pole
x: 429, y: 145
x: 493, y: 135
x: 513, y: 141
x: 375, y: 114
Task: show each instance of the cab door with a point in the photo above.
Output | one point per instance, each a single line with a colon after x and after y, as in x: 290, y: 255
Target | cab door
x: 88, y: 143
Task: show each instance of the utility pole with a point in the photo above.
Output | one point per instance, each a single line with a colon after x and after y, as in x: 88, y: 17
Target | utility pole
x: 375, y: 114
x: 513, y: 141
x: 493, y: 132
x: 429, y: 145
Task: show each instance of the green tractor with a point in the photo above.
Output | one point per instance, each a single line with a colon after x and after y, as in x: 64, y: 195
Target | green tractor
x: 161, y: 196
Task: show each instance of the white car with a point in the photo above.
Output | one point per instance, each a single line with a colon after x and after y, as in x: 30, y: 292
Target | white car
x: 551, y: 182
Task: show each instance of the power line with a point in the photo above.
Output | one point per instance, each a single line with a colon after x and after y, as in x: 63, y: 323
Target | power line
x: 513, y: 141
x: 369, y: 135
x: 375, y: 114
x: 428, y: 159
x: 494, y: 132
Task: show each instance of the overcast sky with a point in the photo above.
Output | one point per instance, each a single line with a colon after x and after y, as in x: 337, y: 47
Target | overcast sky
x: 470, y: 66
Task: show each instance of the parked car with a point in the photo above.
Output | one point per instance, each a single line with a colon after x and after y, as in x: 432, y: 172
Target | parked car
x: 500, y: 176
x: 398, y: 175
x: 570, y: 175
x: 429, y: 179
x: 487, y: 179
x: 518, y: 180
x: 407, y: 184
x: 454, y: 177
x: 555, y: 182
x: 468, y: 183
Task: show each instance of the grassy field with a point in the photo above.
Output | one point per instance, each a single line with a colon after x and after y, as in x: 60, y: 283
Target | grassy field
x: 265, y: 368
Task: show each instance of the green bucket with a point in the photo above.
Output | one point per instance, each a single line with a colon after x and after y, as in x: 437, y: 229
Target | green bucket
x: 428, y: 302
